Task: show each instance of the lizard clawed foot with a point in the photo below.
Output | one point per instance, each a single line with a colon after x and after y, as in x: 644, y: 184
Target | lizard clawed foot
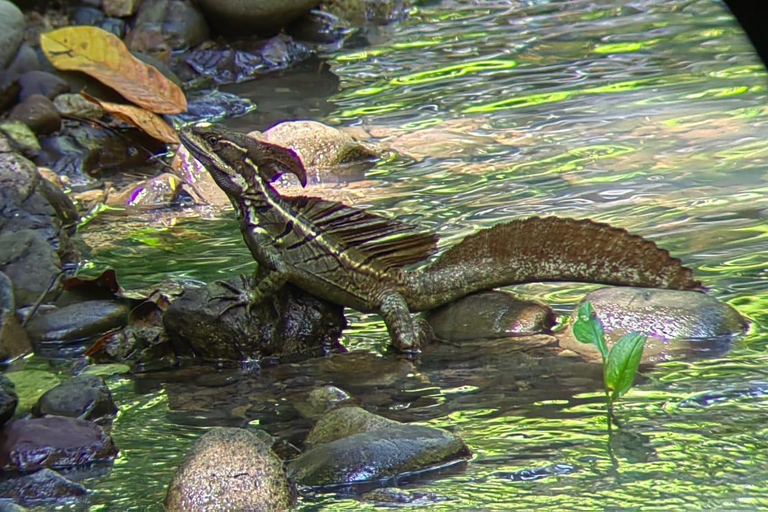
x: 240, y: 297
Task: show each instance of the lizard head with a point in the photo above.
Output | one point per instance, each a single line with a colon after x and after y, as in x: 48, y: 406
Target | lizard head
x: 236, y: 160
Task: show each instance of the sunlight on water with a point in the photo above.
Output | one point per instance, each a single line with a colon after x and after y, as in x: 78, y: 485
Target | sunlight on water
x: 648, y: 115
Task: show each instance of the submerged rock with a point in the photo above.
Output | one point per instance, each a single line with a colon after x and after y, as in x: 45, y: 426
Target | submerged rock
x: 676, y: 322
x: 84, y: 396
x: 40, y: 487
x: 53, y: 442
x: 368, y: 11
x: 491, y: 314
x: 377, y: 454
x: 290, y: 322
x: 230, y: 469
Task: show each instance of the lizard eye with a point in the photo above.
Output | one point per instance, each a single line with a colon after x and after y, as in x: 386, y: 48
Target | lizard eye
x: 211, y: 139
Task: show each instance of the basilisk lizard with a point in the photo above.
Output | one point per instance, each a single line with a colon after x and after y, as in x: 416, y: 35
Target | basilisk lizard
x: 358, y: 259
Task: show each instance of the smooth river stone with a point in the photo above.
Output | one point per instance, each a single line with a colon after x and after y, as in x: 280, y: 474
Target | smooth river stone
x: 676, y: 322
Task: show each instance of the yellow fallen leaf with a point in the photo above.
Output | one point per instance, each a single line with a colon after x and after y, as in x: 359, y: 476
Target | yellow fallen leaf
x: 103, y: 56
x: 152, y: 124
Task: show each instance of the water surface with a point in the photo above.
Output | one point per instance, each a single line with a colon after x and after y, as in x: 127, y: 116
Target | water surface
x: 648, y: 115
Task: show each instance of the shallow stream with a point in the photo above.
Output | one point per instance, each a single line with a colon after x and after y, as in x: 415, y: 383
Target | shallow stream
x: 650, y: 115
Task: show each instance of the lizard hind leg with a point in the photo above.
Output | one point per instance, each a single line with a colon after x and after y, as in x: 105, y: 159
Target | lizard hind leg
x: 408, y: 334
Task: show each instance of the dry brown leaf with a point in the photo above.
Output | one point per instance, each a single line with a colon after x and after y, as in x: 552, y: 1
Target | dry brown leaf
x: 104, y: 56
x: 152, y: 124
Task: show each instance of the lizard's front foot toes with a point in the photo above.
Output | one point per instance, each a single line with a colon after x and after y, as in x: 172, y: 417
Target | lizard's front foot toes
x: 238, y: 298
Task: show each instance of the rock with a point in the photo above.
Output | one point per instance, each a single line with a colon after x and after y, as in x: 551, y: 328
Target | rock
x: 165, y: 25
x: 213, y: 105
x: 26, y: 60
x: 320, y: 27
x: 89, y: 16
x: 328, y: 153
x: 246, y: 59
x: 14, y: 341
x: 344, y: 422
x: 38, y: 113
x: 8, y: 399
x: 321, y: 400
x: 75, y: 105
x: 377, y: 454
x: 42, y: 83
x: 249, y: 17
x: 155, y: 192
x: 291, y: 322
x: 9, y: 90
x: 90, y: 149
x: 368, y: 11
x: 20, y: 138
x: 229, y: 469
x: 77, y: 321
x: 11, y: 31
x: 45, y: 485
x: 30, y: 262
x: 676, y: 322
x: 491, y: 314
x: 114, y: 26
x: 53, y: 442
x: 85, y: 397
x: 120, y: 8
x: 394, y: 496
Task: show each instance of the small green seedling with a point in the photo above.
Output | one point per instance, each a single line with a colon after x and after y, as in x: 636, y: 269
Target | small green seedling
x: 620, y: 363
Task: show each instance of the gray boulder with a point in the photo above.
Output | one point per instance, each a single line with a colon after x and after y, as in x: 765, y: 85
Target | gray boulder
x: 14, y: 341
x: 491, y: 314
x: 676, y: 322
x: 344, y: 422
x: 11, y: 31
x: 84, y: 396
x: 230, y: 469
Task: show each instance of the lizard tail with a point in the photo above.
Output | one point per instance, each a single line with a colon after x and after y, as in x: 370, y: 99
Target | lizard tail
x: 540, y: 249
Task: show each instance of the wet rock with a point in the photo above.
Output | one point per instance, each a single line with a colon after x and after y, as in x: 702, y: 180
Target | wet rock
x: 246, y: 59
x: 120, y: 8
x: 328, y: 153
x: 40, y: 487
x: 20, y: 138
x: 319, y: 27
x: 85, y: 397
x: 42, y: 83
x: 38, y: 113
x: 14, y: 341
x: 376, y: 454
x: 30, y: 262
x: 26, y: 60
x: 249, y: 17
x: 393, y: 496
x: 53, y: 442
x: 75, y: 105
x: 152, y: 193
x: 213, y: 105
x: 676, y: 322
x: 9, y: 90
x: 114, y: 26
x: 290, y: 322
x: 8, y: 399
x: 9, y: 506
x: 164, y: 25
x: 321, y: 400
x: 344, y: 422
x: 492, y: 314
x: 11, y: 31
x: 77, y: 321
x: 368, y: 11
x: 87, y: 15
x: 229, y: 469
x: 85, y: 149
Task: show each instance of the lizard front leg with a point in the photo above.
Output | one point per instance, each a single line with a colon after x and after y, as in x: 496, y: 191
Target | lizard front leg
x: 267, y: 283
x: 408, y: 335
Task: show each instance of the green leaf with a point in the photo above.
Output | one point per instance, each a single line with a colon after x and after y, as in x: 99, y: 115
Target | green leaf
x: 587, y: 329
x: 623, y: 362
